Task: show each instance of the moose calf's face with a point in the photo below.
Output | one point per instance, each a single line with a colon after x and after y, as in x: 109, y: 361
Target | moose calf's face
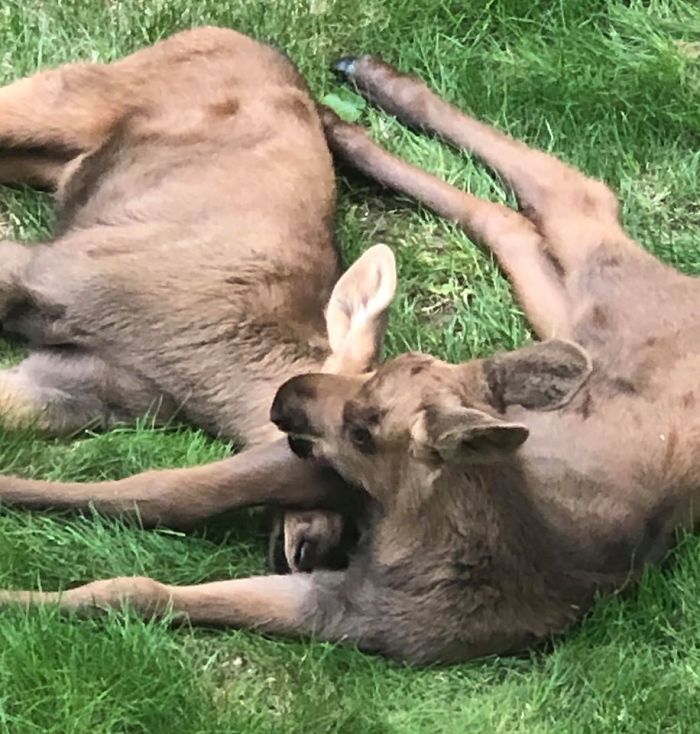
x: 416, y: 414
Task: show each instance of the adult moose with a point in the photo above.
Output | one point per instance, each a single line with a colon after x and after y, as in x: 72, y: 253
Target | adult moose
x: 190, y: 268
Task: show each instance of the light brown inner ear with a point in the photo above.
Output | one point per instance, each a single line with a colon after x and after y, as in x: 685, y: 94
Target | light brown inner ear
x: 356, y: 315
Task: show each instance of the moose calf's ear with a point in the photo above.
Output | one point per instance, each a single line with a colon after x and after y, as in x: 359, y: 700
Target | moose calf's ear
x: 543, y: 376
x: 463, y: 436
x: 356, y: 316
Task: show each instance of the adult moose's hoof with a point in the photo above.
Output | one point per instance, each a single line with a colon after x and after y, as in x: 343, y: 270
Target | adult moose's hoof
x: 302, y: 542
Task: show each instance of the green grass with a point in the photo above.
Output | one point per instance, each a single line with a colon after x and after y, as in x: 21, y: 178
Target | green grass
x: 611, y: 86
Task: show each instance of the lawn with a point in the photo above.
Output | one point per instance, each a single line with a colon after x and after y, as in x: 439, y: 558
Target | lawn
x: 612, y: 86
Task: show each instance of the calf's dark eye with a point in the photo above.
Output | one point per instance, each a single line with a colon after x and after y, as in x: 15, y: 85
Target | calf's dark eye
x: 362, y: 439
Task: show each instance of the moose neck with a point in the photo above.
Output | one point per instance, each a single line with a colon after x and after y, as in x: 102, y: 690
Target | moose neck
x: 490, y: 507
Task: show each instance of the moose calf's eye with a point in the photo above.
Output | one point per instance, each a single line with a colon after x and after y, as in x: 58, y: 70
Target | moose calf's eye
x: 362, y: 439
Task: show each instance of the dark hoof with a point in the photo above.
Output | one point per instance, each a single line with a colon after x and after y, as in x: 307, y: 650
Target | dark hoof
x: 346, y: 66
x: 306, y: 557
x: 301, y: 542
x: 276, y: 557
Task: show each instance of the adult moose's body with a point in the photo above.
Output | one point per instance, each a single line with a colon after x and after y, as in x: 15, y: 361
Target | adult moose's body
x: 192, y: 263
x: 195, y: 200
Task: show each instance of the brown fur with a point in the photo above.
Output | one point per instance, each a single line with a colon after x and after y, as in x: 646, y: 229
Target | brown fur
x: 509, y: 491
x: 501, y: 494
x: 195, y: 210
x: 193, y: 257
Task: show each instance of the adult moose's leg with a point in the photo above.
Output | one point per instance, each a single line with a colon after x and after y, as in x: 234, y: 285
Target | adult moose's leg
x: 183, y: 498
x: 511, y: 237
x: 278, y: 604
x: 574, y: 213
x: 62, y: 390
x: 49, y: 119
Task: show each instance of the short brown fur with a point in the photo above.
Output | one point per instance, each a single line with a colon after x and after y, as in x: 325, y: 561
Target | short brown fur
x: 501, y: 494
x: 192, y: 258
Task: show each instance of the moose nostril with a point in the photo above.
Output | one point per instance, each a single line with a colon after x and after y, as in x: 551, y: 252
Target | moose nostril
x: 301, y: 447
x: 288, y: 419
x: 287, y: 411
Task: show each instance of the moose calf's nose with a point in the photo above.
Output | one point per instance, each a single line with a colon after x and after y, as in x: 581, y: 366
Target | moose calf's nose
x: 287, y: 411
x: 279, y: 415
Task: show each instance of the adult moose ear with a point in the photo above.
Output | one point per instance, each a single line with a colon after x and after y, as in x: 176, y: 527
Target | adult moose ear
x: 463, y: 435
x: 543, y: 376
x: 356, y: 316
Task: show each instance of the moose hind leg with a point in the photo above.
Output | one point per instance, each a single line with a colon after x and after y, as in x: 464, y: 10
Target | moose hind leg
x: 573, y: 212
x: 511, y: 237
x: 61, y: 391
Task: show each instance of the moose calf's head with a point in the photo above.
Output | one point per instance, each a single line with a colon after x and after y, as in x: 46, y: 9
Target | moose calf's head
x: 415, y: 415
